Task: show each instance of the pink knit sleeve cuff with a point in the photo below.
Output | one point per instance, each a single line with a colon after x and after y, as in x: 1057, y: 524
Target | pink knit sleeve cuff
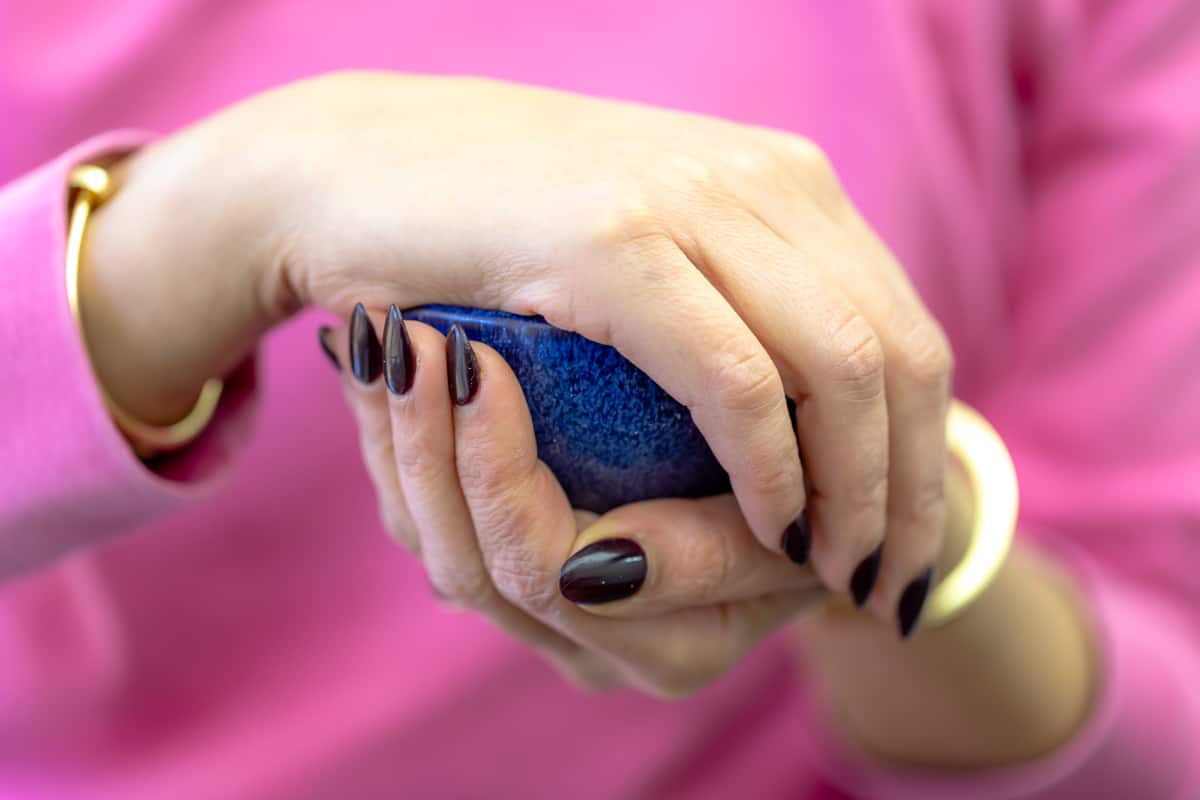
x: 70, y: 477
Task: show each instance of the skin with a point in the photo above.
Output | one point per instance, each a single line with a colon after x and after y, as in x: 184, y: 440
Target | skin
x: 723, y: 260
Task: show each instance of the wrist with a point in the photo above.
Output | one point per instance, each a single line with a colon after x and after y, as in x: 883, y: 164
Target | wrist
x: 170, y: 281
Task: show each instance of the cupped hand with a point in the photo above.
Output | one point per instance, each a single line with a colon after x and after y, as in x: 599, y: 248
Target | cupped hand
x: 722, y: 259
x: 663, y: 595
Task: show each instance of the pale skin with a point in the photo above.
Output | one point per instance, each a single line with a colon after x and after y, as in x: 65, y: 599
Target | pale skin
x: 724, y: 260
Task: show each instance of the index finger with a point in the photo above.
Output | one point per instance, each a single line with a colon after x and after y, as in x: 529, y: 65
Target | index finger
x: 670, y: 321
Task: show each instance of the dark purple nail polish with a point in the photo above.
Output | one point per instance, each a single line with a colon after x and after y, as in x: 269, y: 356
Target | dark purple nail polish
x: 863, y: 579
x: 797, y: 539
x: 323, y: 339
x: 603, y: 572
x: 462, y: 367
x: 398, y: 357
x: 912, y: 602
x: 366, y: 356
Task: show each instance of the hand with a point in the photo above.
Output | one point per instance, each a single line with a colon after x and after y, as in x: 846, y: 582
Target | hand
x: 724, y: 260
x: 668, y: 593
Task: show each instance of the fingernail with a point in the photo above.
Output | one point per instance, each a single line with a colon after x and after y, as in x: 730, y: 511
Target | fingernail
x: 462, y: 367
x: 863, y: 579
x: 912, y: 602
x: 366, y: 356
x: 797, y: 539
x: 323, y: 339
x: 603, y: 572
x: 398, y: 358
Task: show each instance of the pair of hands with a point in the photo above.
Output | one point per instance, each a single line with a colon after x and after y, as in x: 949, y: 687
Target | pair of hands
x: 723, y: 260
x: 455, y: 468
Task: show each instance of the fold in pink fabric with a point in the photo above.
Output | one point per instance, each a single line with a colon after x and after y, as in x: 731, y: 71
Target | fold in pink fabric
x: 238, y: 625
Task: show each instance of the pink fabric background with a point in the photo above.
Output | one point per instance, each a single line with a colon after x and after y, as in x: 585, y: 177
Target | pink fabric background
x: 1036, y: 167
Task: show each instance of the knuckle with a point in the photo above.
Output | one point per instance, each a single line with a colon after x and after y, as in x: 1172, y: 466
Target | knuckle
x: 813, y: 168
x: 422, y: 456
x: 744, y: 380
x: 861, y: 510
x: 589, y: 677
x: 871, y: 490
x: 683, y: 667
x: 801, y: 149
x: 488, y: 471
x: 522, y: 583
x: 704, y: 570
x: 631, y: 223
x: 374, y: 428
x: 927, y: 358
x: 586, y: 669
x: 808, y: 157
x: 502, y: 511
x: 685, y: 181
x: 857, y: 360
x: 755, y: 161
x: 468, y: 587
x: 811, y: 158
x: 397, y: 524
x: 779, y: 476
x: 922, y: 514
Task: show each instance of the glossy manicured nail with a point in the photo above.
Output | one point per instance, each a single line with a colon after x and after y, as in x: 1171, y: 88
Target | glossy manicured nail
x: 398, y: 358
x: 323, y: 339
x: 912, y: 602
x: 461, y: 366
x: 366, y: 356
x: 863, y: 579
x: 603, y: 572
x: 797, y: 539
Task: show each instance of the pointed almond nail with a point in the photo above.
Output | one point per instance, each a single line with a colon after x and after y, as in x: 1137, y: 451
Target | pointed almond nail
x: 797, y: 539
x: 462, y: 367
x: 398, y: 357
x: 863, y: 579
x: 366, y: 356
x: 912, y: 602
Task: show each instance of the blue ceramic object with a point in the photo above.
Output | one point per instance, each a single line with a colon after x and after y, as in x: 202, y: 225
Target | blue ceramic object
x: 608, y: 432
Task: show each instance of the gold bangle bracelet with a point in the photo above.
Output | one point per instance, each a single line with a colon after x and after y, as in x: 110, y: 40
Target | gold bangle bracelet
x: 90, y: 186
x: 984, y: 462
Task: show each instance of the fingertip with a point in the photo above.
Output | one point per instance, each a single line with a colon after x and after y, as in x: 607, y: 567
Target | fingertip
x: 605, y: 571
x: 912, y: 603
x: 462, y: 366
x: 862, y: 580
x: 399, y: 358
x: 484, y: 378
x: 365, y: 350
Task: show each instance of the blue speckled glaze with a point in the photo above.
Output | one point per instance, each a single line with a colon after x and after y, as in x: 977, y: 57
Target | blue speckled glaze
x: 608, y: 432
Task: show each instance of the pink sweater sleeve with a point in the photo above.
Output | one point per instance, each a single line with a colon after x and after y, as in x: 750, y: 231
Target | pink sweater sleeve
x: 1100, y: 401
x: 69, y: 479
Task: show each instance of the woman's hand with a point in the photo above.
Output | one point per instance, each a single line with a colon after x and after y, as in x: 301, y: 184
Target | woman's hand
x: 724, y: 260
x: 664, y: 595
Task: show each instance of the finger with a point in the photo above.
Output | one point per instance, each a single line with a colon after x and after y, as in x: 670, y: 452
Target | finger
x: 696, y: 553
x: 917, y: 380
x: 422, y: 437
x: 918, y: 385
x: 526, y: 530
x: 831, y: 361
x: 365, y: 395
x: 677, y: 654
x: 668, y: 319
